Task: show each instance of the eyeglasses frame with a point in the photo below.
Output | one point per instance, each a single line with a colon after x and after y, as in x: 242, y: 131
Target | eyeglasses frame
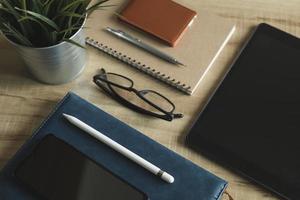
x: 168, y: 115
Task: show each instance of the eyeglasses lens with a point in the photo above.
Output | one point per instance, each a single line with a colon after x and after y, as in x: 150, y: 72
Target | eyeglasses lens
x: 158, y: 100
x: 119, y: 80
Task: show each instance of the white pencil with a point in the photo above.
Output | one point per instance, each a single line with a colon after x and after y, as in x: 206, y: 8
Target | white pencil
x: 121, y: 149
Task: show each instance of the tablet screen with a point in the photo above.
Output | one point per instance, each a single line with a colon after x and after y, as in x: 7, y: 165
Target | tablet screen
x: 57, y: 171
x: 252, y: 122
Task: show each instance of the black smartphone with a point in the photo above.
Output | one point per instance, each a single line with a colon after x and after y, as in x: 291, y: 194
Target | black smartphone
x: 57, y: 171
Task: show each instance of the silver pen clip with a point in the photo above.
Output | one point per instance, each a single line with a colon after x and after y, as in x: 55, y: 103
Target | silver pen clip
x: 129, y: 36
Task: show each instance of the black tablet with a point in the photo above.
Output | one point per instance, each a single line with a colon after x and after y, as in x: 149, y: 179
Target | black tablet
x: 252, y: 121
x: 57, y: 171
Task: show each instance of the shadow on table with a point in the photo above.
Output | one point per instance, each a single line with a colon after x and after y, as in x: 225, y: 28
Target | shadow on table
x: 11, y: 65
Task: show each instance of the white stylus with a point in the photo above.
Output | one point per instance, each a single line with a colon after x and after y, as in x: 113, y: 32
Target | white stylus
x: 119, y: 148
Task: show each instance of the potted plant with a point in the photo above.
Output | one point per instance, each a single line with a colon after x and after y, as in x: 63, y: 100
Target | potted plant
x: 49, y: 35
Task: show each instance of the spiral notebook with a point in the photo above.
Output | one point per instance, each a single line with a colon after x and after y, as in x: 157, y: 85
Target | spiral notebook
x: 198, y: 49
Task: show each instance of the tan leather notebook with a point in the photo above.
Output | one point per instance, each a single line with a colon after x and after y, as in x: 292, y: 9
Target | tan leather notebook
x: 164, y: 19
x: 198, y: 49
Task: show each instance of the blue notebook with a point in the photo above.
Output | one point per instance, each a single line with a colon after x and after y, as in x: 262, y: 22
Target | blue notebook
x: 191, y: 181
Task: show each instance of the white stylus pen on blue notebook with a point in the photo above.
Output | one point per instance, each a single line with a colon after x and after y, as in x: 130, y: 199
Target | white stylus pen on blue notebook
x: 119, y: 148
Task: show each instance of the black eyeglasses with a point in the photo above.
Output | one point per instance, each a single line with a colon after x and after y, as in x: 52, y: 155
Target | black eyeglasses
x: 144, y: 101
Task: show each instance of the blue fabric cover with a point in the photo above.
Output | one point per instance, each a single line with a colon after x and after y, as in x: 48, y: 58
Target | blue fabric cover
x: 191, y: 181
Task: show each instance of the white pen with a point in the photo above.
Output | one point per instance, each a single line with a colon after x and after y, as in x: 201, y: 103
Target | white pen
x: 119, y: 148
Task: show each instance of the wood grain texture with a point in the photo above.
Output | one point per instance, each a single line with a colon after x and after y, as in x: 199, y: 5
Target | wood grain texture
x: 24, y: 102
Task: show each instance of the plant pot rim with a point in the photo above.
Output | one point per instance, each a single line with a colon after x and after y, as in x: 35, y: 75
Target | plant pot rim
x: 47, y: 47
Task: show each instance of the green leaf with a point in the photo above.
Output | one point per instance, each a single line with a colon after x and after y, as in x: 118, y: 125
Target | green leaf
x: 34, y: 20
x: 9, y: 7
x: 17, y: 35
x: 46, y: 3
x: 47, y: 6
x: 82, y: 8
x: 74, y: 3
x: 16, y: 15
x: 95, y: 6
x: 54, y: 36
x: 6, y: 10
x: 36, y: 6
x: 68, y: 30
x: 24, y: 6
x: 69, y: 14
x: 45, y: 22
x: 41, y: 18
x: 73, y: 42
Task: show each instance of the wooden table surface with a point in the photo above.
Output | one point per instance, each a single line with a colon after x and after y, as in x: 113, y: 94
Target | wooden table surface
x: 24, y: 102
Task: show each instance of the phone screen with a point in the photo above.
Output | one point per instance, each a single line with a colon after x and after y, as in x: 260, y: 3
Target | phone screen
x: 57, y: 171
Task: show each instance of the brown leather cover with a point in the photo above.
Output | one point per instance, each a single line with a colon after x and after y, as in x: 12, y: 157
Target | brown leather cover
x: 164, y: 19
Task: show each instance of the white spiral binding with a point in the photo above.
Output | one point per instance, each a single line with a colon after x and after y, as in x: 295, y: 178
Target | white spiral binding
x: 138, y: 65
